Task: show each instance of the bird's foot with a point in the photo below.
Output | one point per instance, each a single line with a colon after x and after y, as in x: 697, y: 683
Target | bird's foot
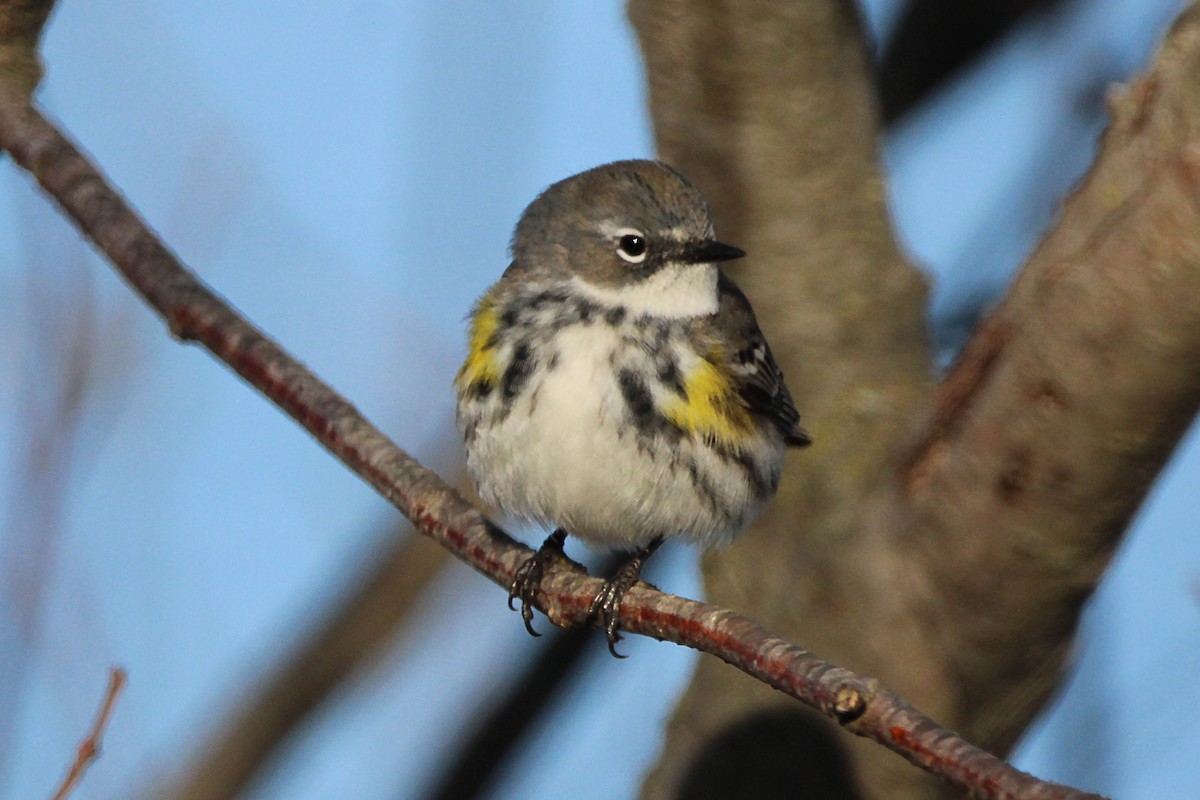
x: 528, y: 576
x: 606, y: 606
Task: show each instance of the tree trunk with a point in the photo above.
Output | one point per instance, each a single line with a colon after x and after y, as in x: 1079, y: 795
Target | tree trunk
x: 943, y: 539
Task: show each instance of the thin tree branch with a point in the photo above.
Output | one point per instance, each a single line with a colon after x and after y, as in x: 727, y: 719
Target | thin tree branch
x: 89, y: 749
x: 194, y: 313
x: 934, y: 40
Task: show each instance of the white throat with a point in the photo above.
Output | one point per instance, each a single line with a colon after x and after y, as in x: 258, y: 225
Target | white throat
x: 675, y: 291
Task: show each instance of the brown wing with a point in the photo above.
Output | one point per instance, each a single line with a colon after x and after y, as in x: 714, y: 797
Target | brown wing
x: 760, y: 380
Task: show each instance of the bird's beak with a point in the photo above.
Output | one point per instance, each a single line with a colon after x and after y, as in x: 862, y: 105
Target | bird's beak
x: 710, y: 251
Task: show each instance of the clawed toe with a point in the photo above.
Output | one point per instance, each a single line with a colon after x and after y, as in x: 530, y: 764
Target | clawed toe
x: 528, y: 577
x: 524, y: 586
x: 606, y: 607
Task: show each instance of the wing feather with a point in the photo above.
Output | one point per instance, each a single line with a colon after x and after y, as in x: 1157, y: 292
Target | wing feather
x: 760, y: 380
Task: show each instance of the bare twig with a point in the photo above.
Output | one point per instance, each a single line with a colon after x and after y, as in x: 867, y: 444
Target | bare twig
x: 194, y: 313
x: 89, y: 748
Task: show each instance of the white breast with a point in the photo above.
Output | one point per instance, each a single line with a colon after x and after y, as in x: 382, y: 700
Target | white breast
x: 566, y: 455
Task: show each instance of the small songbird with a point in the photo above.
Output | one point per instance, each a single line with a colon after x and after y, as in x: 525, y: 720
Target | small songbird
x: 617, y: 386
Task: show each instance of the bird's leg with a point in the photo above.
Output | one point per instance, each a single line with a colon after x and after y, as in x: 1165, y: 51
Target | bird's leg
x: 607, y: 604
x: 529, y: 576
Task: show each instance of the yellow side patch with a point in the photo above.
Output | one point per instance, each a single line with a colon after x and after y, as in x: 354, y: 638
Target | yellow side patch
x: 481, y: 367
x: 711, y: 408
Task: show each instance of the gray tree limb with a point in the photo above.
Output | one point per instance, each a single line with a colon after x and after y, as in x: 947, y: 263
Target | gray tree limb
x: 943, y: 541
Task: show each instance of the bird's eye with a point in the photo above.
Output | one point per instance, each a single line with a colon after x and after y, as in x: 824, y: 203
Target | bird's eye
x: 631, y: 246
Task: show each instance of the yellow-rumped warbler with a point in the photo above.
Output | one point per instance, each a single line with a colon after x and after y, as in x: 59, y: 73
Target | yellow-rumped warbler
x: 617, y: 385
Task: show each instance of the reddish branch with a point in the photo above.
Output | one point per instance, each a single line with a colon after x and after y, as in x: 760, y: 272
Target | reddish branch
x: 89, y: 749
x: 194, y: 313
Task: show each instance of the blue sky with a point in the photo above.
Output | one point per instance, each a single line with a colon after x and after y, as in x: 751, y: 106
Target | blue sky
x: 348, y: 175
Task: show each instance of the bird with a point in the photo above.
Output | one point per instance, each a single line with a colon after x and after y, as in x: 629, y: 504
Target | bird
x: 617, y: 387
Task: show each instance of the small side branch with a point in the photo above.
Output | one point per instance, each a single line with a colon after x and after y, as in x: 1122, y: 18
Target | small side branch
x: 195, y: 313
x: 89, y: 748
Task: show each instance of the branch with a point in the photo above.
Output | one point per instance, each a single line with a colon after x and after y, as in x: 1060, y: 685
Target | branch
x: 1066, y: 404
x: 89, y: 749
x: 194, y: 313
x: 21, y: 24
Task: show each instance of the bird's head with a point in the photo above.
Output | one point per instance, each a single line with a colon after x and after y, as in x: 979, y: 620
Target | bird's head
x: 631, y: 233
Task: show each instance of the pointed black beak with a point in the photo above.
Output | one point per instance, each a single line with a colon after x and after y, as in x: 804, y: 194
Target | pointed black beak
x: 708, y: 252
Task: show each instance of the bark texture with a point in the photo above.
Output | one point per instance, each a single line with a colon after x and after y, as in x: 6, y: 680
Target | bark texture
x: 942, y: 539
x: 21, y: 24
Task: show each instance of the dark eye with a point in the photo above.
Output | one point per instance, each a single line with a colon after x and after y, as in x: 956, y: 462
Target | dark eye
x: 632, y: 247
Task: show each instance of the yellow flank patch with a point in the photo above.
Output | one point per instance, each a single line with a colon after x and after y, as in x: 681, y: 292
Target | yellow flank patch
x: 481, y: 367
x: 711, y: 407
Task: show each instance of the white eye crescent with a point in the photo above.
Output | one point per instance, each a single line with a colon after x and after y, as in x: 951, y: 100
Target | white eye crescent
x: 631, y: 245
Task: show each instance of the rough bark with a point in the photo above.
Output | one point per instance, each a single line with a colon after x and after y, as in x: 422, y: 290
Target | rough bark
x: 770, y: 108
x: 950, y: 561
x: 1067, y: 403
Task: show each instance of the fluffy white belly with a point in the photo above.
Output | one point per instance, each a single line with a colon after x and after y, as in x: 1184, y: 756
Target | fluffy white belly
x: 568, y: 455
